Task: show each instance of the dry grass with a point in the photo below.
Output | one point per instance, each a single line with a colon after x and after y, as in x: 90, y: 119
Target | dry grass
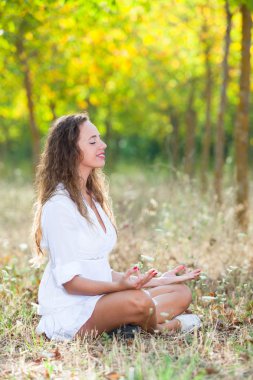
x: 171, y: 222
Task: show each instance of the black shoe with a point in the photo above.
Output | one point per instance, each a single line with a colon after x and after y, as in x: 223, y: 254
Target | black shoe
x: 125, y: 331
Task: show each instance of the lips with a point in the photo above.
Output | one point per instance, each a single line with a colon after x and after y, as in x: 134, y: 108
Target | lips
x: 101, y: 155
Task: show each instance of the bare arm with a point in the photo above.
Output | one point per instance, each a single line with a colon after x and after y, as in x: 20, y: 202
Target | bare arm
x: 84, y: 286
x: 171, y: 277
x: 116, y: 276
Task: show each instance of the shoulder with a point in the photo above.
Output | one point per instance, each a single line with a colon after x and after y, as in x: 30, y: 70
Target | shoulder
x: 59, y: 204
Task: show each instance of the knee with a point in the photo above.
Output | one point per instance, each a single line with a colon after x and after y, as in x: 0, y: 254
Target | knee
x: 186, y: 295
x: 143, y: 304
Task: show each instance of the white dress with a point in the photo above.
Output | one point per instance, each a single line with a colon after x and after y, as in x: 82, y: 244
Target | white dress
x: 75, y: 248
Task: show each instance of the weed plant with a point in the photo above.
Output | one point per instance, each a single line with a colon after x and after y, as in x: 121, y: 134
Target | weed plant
x: 162, y: 222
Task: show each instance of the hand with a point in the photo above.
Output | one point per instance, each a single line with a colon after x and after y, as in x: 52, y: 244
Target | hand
x: 174, y: 271
x: 132, y: 282
x: 170, y: 277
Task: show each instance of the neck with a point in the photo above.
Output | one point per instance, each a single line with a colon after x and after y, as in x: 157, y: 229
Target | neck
x: 84, y: 173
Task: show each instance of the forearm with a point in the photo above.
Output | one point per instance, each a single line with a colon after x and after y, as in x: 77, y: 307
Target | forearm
x: 117, y: 276
x: 83, y: 286
x: 159, y: 281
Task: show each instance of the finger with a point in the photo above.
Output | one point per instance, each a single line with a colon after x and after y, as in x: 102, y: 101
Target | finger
x: 189, y: 276
x: 151, y: 273
x: 138, y: 272
x: 196, y: 271
x: 179, y: 268
x: 148, y: 276
x: 131, y: 271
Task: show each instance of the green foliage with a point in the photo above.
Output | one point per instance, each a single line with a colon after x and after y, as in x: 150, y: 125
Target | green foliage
x: 130, y: 63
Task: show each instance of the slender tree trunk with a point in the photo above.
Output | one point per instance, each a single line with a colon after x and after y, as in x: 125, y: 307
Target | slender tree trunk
x: 242, y: 124
x: 6, y: 144
x: 29, y: 96
x: 52, y: 107
x: 190, y: 121
x: 208, y: 98
x: 219, y: 146
x: 172, y: 142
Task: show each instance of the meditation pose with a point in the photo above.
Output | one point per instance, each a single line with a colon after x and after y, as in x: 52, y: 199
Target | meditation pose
x: 79, y: 292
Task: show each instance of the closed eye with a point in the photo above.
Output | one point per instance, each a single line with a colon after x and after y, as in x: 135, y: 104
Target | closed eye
x: 93, y: 143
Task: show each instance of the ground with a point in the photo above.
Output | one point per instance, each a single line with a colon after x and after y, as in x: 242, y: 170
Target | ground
x: 161, y: 222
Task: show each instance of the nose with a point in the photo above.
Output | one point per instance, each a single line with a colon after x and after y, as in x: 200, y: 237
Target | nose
x: 104, y: 144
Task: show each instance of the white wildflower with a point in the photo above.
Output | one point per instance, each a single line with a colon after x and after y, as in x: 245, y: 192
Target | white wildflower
x: 35, y: 307
x: 208, y: 298
x: 23, y: 247
x: 147, y: 258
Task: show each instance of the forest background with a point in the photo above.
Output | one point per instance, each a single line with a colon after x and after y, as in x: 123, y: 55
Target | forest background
x: 164, y: 81
x: 168, y: 85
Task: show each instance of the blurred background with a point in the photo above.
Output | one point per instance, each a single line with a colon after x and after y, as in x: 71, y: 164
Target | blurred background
x: 166, y: 82
x: 150, y: 74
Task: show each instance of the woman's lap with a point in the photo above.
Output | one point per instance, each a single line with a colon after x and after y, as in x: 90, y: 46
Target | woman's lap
x: 119, y: 308
x: 115, y: 309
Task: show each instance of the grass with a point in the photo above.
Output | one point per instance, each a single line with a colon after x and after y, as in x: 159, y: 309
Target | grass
x: 158, y: 217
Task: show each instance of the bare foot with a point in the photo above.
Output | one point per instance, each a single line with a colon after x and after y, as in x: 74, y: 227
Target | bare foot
x: 170, y: 326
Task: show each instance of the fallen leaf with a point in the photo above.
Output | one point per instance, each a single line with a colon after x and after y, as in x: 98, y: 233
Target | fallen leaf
x: 38, y: 360
x: 57, y: 354
x: 211, y: 370
x: 113, y: 375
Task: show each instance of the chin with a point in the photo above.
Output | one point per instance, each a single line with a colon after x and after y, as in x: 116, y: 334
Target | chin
x: 99, y: 166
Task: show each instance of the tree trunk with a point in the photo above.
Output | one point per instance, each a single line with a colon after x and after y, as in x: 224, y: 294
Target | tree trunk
x: 29, y: 96
x: 208, y: 98
x: 170, y: 144
x: 219, y: 146
x: 190, y: 121
x: 5, y: 147
x: 242, y: 124
x: 52, y: 107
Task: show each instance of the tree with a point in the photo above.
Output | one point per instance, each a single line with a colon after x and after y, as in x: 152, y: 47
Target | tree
x: 190, y: 122
x: 207, y: 42
x: 28, y: 85
x: 219, y: 143
x: 242, y: 123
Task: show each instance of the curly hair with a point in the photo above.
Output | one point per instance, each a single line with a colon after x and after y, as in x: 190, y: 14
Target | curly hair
x: 59, y: 164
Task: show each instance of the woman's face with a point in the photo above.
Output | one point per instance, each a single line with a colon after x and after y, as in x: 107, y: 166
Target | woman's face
x: 91, y: 146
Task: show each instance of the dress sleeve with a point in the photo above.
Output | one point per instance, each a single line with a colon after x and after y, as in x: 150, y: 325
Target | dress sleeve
x: 60, y: 228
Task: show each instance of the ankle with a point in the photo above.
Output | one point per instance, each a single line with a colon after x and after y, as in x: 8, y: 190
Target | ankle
x: 173, y: 325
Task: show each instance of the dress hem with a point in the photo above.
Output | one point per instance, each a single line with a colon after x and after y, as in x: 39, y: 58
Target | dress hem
x: 54, y: 330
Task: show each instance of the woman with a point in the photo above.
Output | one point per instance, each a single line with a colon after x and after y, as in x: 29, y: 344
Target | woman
x: 79, y: 293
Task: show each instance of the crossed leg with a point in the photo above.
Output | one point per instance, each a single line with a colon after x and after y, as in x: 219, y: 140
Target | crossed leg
x: 116, y: 309
x: 170, y: 301
x: 138, y: 308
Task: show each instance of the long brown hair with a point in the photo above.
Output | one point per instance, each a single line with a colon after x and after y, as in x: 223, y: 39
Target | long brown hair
x: 59, y: 164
